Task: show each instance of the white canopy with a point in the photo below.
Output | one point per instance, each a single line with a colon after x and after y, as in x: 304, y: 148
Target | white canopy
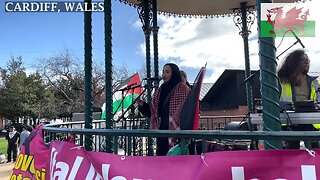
x: 201, y: 7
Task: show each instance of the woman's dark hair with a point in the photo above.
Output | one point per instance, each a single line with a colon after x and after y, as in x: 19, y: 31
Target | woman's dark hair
x: 29, y: 128
x: 175, y: 74
x: 288, y: 71
x: 167, y: 87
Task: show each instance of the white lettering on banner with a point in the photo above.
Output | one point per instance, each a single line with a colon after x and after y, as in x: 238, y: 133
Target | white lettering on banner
x: 308, y: 173
x: 53, y: 155
x: 91, y: 172
x: 59, y: 170
x: 105, y: 173
x: 237, y: 173
x: 75, y: 167
x: 62, y: 174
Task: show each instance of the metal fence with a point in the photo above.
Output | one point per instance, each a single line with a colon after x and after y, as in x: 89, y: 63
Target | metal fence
x: 217, y: 122
x: 134, y: 141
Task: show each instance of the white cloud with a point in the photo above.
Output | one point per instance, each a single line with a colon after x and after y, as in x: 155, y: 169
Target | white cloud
x: 193, y: 42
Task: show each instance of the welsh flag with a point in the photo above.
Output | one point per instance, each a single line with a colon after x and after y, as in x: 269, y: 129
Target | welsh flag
x: 123, y: 95
x: 280, y: 19
x: 190, y: 112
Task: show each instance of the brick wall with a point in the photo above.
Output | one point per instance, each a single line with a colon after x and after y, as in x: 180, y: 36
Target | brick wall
x: 219, y: 123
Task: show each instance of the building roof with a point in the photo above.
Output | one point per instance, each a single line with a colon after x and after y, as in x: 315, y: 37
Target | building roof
x: 229, y: 91
x: 205, y: 89
x: 227, y: 73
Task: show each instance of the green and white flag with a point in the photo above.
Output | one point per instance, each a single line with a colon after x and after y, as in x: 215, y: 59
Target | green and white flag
x: 123, y: 95
x: 280, y: 19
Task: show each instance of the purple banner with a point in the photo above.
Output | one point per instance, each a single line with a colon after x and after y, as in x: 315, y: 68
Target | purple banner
x: 63, y: 160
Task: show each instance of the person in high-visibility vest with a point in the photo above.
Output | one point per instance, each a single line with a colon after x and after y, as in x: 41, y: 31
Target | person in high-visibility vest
x: 297, y: 85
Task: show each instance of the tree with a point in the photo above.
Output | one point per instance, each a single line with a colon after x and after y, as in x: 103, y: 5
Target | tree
x: 22, y: 94
x: 65, y: 74
x: 41, y: 101
x: 13, y: 93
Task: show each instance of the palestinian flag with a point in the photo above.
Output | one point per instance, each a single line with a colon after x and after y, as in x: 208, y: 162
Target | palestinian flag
x: 123, y: 95
x: 190, y: 112
x: 280, y: 19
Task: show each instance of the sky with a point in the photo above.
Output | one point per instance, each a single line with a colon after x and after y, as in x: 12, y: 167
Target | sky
x: 188, y: 42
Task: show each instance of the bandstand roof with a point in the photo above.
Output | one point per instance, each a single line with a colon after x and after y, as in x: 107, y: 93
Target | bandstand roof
x: 202, y: 8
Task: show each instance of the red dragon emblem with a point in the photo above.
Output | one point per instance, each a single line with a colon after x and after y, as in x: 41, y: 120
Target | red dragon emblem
x: 292, y: 18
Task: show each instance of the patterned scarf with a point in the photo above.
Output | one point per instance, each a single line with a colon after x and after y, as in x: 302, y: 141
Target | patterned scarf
x: 176, y: 100
x: 12, y: 133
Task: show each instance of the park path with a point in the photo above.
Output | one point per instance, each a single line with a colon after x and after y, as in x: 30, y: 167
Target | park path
x: 5, y: 170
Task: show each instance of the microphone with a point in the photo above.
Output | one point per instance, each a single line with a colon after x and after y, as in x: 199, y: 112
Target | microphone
x: 298, y: 39
x: 128, y: 87
x: 152, y: 79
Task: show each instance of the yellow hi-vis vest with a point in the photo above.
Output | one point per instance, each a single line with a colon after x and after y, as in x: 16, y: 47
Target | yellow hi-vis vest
x: 286, y: 96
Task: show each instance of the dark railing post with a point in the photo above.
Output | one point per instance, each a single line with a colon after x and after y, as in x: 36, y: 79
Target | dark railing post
x: 155, y: 30
x: 243, y: 19
x: 147, y: 31
x: 144, y: 15
x: 88, y: 74
x: 108, y: 71
x: 245, y: 35
x: 269, y: 83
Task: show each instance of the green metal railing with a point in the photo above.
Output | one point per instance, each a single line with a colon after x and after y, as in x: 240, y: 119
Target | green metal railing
x: 61, y: 131
x: 218, y: 122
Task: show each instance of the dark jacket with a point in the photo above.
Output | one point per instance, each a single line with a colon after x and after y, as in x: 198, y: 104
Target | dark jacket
x: 14, y: 139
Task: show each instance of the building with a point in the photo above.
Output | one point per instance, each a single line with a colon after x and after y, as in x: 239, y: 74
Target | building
x: 227, y: 99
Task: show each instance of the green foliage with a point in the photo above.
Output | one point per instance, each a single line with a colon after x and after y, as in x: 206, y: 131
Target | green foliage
x: 56, y: 89
x: 22, y: 95
x: 13, y: 92
x: 3, y: 146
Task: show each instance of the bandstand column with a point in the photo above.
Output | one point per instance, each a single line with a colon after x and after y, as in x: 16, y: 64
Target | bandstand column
x: 145, y: 17
x: 88, y: 75
x: 243, y: 19
x: 108, y: 70
x: 155, y: 29
x: 269, y: 83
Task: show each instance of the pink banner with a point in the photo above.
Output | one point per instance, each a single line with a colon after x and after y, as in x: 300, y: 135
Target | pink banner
x: 32, y: 162
x: 68, y: 161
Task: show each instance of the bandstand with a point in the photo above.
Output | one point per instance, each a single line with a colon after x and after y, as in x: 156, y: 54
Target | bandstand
x: 244, y: 13
x: 92, y: 150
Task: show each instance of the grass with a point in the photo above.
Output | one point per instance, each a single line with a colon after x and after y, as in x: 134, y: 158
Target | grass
x: 3, y: 146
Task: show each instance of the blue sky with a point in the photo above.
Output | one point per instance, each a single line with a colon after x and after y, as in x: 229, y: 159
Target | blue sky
x: 189, y: 42
x: 39, y: 35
